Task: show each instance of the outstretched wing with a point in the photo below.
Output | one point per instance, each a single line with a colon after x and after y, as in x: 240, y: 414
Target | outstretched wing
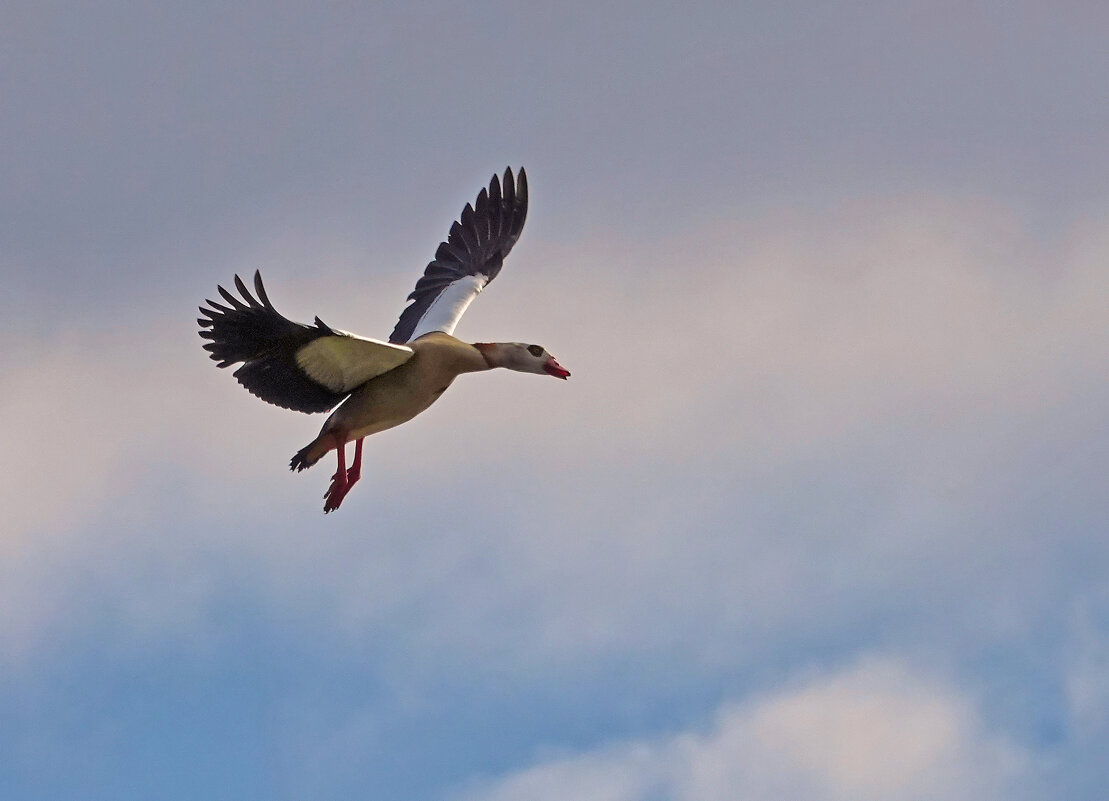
x: 307, y: 368
x: 469, y: 259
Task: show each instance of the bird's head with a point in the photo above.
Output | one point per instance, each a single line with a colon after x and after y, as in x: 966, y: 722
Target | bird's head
x: 524, y: 358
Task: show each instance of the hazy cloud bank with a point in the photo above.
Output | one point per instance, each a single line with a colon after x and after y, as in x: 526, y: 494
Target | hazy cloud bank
x: 873, y: 389
x: 873, y: 731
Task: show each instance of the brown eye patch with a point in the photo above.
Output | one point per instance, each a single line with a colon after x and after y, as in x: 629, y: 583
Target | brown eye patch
x: 535, y: 350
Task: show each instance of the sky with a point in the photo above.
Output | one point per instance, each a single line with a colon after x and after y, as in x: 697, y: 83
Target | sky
x: 821, y: 514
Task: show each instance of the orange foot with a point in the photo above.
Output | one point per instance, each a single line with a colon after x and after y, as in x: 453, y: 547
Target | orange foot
x: 340, y: 485
x: 343, y: 480
x: 336, y: 492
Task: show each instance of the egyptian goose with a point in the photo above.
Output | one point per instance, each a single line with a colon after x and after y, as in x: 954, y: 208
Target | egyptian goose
x: 312, y: 368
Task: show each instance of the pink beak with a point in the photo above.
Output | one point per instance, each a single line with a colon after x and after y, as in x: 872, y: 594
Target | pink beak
x: 556, y: 369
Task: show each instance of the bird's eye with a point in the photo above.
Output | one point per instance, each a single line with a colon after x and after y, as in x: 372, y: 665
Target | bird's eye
x: 535, y: 351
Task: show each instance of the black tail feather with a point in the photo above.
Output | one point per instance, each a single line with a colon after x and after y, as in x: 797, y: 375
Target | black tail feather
x: 309, y: 454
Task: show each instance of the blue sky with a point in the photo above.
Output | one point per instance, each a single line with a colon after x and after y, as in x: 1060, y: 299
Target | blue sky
x: 821, y: 513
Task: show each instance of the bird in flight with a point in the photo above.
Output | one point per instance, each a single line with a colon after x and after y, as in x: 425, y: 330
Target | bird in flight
x: 378, y: 385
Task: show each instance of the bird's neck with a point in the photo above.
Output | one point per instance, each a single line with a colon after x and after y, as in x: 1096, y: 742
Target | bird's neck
x: 492, y: 353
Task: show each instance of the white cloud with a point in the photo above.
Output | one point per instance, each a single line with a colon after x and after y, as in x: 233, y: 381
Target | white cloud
x: 94, y: 423
x: 1087, y: 669
x: 875, y: 731
x: 817, y: 417
x: 774, y: 423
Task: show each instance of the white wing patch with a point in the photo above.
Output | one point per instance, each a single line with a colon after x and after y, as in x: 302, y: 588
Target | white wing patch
x: 445, y: 311
x: 343, y: 363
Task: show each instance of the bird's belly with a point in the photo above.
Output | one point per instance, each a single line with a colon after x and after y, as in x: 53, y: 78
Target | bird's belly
x: 374, y: 409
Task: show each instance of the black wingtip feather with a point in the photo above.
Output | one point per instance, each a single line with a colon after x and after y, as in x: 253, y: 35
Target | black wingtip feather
x: 496, y: 218
x: 468, y: 228
x: 234, y: 301
x: 261, y: 290
x: 239, y: 285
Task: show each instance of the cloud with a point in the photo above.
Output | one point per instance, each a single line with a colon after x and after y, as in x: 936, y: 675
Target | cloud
x: 776, y: 420
x: 1087, y: 670
x: 799, y: 417
x: 877, y: 730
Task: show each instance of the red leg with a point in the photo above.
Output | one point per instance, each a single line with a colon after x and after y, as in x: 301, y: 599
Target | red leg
x: 339, y: 486
x: 355, y: 471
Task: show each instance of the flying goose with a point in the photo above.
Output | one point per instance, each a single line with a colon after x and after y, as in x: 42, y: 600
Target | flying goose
x: 378, y: 385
